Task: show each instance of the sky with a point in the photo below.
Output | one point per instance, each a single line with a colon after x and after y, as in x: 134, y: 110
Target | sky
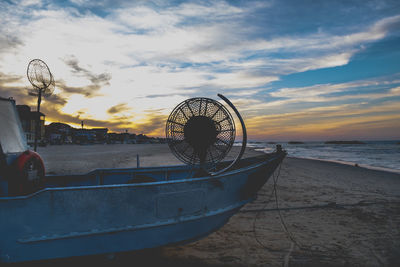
x: 296, y: 70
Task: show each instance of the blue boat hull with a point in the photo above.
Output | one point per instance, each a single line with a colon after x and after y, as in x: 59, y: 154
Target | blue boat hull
x: 107, y: 218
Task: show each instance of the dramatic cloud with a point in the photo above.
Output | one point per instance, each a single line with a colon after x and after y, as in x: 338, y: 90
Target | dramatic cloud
x: 118, y: 108
x: 330, y: 122
x: 102, y: 78
x: 114, y: 61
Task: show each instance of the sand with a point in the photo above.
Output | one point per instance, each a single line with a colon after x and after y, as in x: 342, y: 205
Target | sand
x: 69, y: 159
x: 345, y: 215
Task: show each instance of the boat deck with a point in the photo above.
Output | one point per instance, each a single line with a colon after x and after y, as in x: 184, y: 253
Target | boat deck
x: 140, y: 175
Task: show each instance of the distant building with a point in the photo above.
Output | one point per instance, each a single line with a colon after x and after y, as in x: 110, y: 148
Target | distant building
x: 28, y: 120
x: 62, y: 133
x: 90, y: 136
x: 59, y: 133
x: 142, y: 139
x: 113, y: 138
x: 100, y: 134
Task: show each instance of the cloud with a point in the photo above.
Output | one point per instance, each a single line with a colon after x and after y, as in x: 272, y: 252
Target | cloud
x: 118, y: 108
x: 98, y: 81
x: 155, y: 126
x: 8, y: 42
x: 152, y: 123
x: 144, y: 18
x: 362, y: 89
x: 87, y: 91
x: 103, y: 78
x: 10, y: 87
x: 30, y: 2
x: 342, y: 120
x: 239, y: 80
x: 57, y: 100
x: 395, y: 90
x: 56, y: 115
x: 7, y: 79
x: 297, y: 99
x: 131, y: 57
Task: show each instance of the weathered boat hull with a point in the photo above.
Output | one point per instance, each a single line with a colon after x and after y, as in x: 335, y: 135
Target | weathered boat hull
x: 95, y: 219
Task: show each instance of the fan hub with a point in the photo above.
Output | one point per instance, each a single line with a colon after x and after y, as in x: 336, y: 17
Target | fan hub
x: 200, y: 132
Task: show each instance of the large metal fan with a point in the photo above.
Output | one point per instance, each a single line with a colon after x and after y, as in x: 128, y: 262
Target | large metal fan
x: 201, y: 131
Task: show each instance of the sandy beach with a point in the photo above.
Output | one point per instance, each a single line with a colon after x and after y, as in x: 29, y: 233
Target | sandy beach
x: 69, y: 159
x: 334, y: 214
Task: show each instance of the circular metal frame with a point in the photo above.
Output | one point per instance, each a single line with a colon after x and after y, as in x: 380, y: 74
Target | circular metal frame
x: 202, y: 109
x: 40, y: 77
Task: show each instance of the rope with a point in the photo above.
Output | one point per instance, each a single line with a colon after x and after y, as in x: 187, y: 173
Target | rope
x: 256, y: 217
x: 287, y: 257
x: 288, y: 233
x: 331, y: 205
x: 307, y: 249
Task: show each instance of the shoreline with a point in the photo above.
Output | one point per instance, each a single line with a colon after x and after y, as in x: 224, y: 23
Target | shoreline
x: 376, y: 155
x: 164, y: 150
x: 365, y: 166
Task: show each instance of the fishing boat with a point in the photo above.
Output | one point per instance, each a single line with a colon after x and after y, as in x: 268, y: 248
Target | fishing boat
x: 125, y: 209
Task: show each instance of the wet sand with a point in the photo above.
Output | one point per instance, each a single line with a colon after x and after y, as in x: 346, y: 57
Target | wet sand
x: 334, y: 214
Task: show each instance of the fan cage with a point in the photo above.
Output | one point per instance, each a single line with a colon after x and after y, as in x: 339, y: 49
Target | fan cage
x: 46, y: 92
x: 223, y: 121
x: 39, y: 74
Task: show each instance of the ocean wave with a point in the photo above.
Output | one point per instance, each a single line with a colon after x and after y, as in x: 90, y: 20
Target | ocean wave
x: 383, y: 155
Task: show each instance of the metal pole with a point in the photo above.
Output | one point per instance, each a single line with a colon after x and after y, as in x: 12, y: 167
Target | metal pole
x: 37, y: 132
x: 137, y: 161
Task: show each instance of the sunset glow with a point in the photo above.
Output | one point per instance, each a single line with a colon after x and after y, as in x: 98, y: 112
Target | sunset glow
x: 296, y: 70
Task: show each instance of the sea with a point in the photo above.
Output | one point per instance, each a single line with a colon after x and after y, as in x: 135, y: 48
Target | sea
x: 380, y: 155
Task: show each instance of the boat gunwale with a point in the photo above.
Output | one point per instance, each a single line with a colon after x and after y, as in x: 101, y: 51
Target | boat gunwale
x: 274, y: 156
